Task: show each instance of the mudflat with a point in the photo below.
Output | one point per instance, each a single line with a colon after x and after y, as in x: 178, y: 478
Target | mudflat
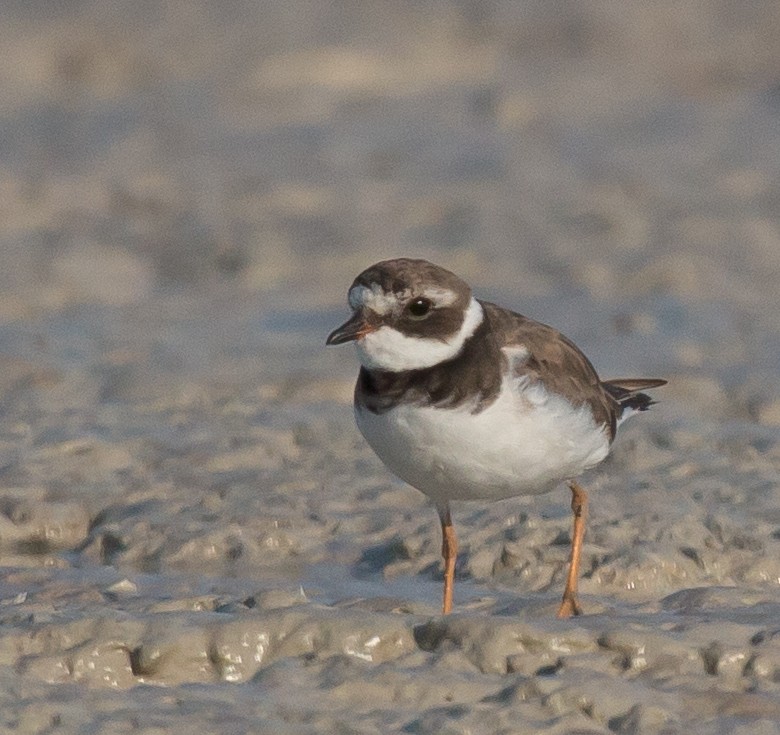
x: 192, y: 532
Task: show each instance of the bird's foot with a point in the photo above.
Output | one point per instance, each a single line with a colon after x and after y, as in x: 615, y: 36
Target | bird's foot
x: 569, y: 606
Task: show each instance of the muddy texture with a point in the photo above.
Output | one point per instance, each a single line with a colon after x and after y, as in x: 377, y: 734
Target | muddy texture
x: 193, y: 535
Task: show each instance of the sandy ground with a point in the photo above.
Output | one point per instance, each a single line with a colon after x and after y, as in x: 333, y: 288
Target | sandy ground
x: 194, y: 537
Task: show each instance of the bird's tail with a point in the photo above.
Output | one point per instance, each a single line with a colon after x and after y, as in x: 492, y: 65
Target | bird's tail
x: 627, y: 392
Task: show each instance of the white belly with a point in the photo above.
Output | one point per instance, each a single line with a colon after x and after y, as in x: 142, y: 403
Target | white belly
x: 525, y: 442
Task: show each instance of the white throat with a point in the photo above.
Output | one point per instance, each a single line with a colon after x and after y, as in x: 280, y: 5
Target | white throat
x: 388, y: 349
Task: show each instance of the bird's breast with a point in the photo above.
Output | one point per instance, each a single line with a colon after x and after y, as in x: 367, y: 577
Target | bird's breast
x: 525, y: 442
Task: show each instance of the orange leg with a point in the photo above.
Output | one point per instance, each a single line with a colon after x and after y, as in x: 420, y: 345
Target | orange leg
x: 579, y: 507
x: 449, y: 550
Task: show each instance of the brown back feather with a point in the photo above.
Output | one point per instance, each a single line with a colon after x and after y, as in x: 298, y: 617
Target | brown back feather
x: 553, y: 359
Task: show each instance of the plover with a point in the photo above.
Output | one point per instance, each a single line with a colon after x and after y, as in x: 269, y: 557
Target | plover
x: 466, y: 400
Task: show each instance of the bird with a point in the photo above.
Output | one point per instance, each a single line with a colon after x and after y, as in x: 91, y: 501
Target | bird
x: 466, y: 400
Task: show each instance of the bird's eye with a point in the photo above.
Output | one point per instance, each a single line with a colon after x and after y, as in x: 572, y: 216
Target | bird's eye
x: 419, y: 308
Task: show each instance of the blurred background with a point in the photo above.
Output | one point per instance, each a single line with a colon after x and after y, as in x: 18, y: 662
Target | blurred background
x: 187, y: 190
x: 177, y: 178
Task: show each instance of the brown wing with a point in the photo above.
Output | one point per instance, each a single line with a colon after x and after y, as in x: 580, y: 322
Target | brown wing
x: 474, y: 377
x: 557, y: 362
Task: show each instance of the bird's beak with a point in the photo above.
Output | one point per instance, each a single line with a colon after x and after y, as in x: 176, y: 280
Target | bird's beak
x: 355, y: 328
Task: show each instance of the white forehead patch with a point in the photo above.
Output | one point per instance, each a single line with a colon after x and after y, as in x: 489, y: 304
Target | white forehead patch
x: 388, y: 349
x: 373, y: 298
